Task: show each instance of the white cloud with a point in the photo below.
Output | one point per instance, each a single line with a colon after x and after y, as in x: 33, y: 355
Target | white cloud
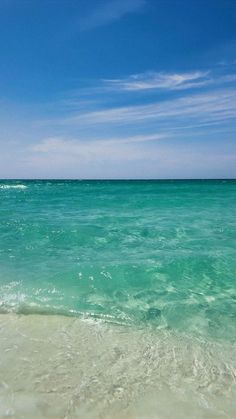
x: 83, y: 147
x: 132, y: 158
x: 110, y: 11
x: 212, y: 107
x: 151, y: 80
x: 89, y: 158
x: 154, y: 80
x: 88, y: 139
x: 93, y: 158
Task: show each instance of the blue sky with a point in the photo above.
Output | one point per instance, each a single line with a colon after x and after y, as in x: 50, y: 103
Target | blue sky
x: 117, y: 88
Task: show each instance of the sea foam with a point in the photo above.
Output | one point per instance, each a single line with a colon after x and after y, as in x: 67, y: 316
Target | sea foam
x: 13, y: 186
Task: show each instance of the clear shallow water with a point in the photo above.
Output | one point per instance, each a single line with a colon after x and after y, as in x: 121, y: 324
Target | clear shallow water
x: 140, y: 279
x: 64, y: 367
x: 139, y: 253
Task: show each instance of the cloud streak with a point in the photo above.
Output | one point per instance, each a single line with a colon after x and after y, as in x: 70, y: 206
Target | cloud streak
x: 154, y: 80
x: 210, y: 107
x: 109, y: 12
x: 88, y: 156
x: 75, y: 146
x: 113, y: 158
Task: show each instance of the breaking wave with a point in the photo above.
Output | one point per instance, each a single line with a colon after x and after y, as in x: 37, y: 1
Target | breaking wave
x: 13, y: 186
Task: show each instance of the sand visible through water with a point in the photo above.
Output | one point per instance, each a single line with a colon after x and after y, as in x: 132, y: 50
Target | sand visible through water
x: 117, y: 299
x: 62, y: 367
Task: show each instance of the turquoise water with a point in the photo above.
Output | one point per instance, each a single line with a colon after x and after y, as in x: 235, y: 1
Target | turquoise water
x: 139, y: 253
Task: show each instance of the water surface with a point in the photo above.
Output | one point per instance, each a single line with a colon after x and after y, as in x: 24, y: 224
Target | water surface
x: 150, y: 265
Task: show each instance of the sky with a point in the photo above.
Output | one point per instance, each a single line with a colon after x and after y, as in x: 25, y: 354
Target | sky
x: 117, y: 89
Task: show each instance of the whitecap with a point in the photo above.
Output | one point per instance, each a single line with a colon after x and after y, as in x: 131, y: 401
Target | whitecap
x: 13, y: 186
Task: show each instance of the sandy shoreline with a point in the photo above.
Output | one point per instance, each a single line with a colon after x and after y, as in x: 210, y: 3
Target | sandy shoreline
x: 60, y: 367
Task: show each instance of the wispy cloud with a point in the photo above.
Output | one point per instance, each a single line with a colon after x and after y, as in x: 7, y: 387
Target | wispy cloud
x: 151, y: 80
x: 110, y: 11
x: 169, y: 138
x: 56, y: 144
x: 155, y: 80
x: 210, y: 107
x: 90, y: 155
x: 113, y: 134
x: 113, y: 158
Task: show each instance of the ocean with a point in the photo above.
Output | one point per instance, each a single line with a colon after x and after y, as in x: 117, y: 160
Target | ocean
x: 118, y: 299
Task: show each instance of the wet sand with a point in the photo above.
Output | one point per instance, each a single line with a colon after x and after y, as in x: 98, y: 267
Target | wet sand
x: 62, y: 367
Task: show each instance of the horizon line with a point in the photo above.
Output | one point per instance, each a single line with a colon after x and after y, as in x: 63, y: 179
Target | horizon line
x: 113, y: 179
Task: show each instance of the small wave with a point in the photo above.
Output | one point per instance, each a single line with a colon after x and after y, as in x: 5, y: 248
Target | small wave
x: 13, y: 187
x: 18, y: 304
